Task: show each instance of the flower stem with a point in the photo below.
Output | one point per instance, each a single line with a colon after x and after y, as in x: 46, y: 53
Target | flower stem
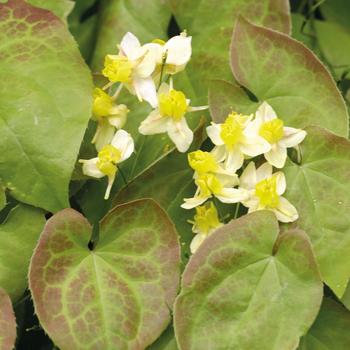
x: 117, y: 92
x: 122, y: 175
x: 237, y: 210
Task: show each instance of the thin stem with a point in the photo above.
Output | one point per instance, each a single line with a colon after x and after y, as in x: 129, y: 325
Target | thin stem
x: 217, y: 205
x: 237, y: 210
x: 162, y: 71
x: 116, y: 94
x: 108, y: 85
x: 122, y: 175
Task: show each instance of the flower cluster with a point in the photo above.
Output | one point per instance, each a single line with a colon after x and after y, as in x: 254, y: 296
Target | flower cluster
x: 140, y: 69
x: 238, y: 138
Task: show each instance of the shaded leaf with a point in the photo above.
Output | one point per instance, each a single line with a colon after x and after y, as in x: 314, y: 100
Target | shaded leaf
x: 319, y: 189
x: 245, y: 284
x: 116, y: 296
x: 166, y: 341
x: 2, y: 197
x: 18, y: 236
x: 337, y: 11
x: 44, y: 114
x: 7, y: 322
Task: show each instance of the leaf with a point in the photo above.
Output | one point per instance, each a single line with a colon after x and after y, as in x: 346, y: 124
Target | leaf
x: 337, y: 11
x: 211, y: 23
x: 283, y: 72
x: 44, y: 114
x: 18, y: 236
x: 330, y: 330
x: 2, y: 197
x: 61, y: 8
x: 7, y: 322
x: 319, y: 189
x: 166, y: 341
x: 245, y: 284
x: 117, y: 295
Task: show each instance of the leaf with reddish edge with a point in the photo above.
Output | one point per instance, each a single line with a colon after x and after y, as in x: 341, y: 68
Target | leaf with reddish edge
x: 245, y: 284
x: 319, y: 189
x: 45, y: 104
x: 7, y: 322
x: 61, y: 8
x: 283, y: 72
x: 116, y: 296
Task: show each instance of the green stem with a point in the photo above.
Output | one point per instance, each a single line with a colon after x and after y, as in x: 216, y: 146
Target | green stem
x: 162, y: 71
x: 237, y: 210
x: 122, y: 175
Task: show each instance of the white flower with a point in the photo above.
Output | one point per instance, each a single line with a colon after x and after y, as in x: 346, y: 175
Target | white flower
x: 205, y: 222
x: 133, y: 66
x: 169, y: 117
x: 261, y: 189
x: 105, y: 164
x: 233, y: 142
x: 108, y: 115
x: 280, y: 137
x: 174, y: 54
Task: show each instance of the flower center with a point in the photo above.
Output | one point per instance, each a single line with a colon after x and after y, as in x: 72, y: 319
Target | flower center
x: 117, y: 68
x: 266, y: 191
x: 107, y: 159
x: 206, y: 218
x: 208, y: 185
x: 272, y: 131
x: 158, y: 41
x: 102, y: 104
x: 173, y: 104
x: 232, y: 129
x: 202, y: 162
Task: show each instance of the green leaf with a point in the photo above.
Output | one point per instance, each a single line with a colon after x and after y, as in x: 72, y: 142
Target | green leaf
x: 18, y: 236
x: 211, y: 23
x: 337, y: 11
x: 283, y: 72
x: 319, y: 189
x: 245, y: 285
x: 330, y: 330
x: 45, y: 105
x: 2, y: 197
x: 166, y: 341
x: 7, y: 322
x: 61, y: 8
x: 117, y: 295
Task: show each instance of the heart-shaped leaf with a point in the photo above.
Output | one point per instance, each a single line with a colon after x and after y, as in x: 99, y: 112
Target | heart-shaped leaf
x: 45, y: 104
x: 7, y: 322
x: 330, y: 330
x: 117, y: 295
x: 61, y: 8
x: 319, y: 188
x: 245, y: 284
x: 18, y: 236
x: 283, y: 72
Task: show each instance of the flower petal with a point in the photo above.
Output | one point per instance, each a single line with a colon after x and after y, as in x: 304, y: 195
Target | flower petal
x: 193, y: 202
x: 263, y: 172
x: 109, y: 186
x: 265, y: 113
x: 146, y: 67
x: 156, y: 50
x: 280, y: 183
x: 145, y: 89
x: 292, y: 137
x: 197, y: 240
x: 213, y: 132
x: 232, y: 195
x: 154, y: 124
x: 234, y: 160
x: 254, y: 146
x: 104, y: 134
x: 286, y: 212
x: 90, y: 168
x: 219, y: 153
x: 131, y: 46
x: 180, y: 134
x: 124, y: 142
x: 178, y: 50
x: 276, y: 156
x: 248, y: 178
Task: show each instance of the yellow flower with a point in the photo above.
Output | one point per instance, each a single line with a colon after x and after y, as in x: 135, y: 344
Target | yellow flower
x: 117, y: 68
x: 202, y: 162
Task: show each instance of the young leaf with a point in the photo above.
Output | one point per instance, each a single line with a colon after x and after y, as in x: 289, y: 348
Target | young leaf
x: 330, y: 330
x: 45, y: 105
x: 319, y: 189
x: 7, y: 322
x: 245, y: 284
x: 283, y: 72
x: 18, y: 236
x: 117, y: 295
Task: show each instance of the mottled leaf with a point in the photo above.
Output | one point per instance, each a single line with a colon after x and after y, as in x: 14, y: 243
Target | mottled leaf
x: 319, y: 188
x: 247, y: 287
x: 211, y: 23
x: 45, y: 104
x: 283, y: 72
x: 7, y: 322
x: 18, y: 236
x: 330, y: 330
x: 117, y: 295
x: 61, y: 8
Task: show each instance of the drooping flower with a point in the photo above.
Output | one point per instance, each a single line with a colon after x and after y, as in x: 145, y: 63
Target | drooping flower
x: 169, y: 117
x: 232, y: 141
x: 261, y: 189
x: 133, y: 67
x: 280, y: 137
x: 109, y: 117
x: 105, y: 164
x: 205, y: 222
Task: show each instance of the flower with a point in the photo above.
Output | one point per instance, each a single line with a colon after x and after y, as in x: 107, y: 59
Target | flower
x: 108, y: 115
x: 173, y: 54
x: 133, y: 66
x: 233, y: 142
x: 169, y: 117
x: 280, y: 137
x: 205, y: 222
x: 105, y: 164
x: 261, y: 189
